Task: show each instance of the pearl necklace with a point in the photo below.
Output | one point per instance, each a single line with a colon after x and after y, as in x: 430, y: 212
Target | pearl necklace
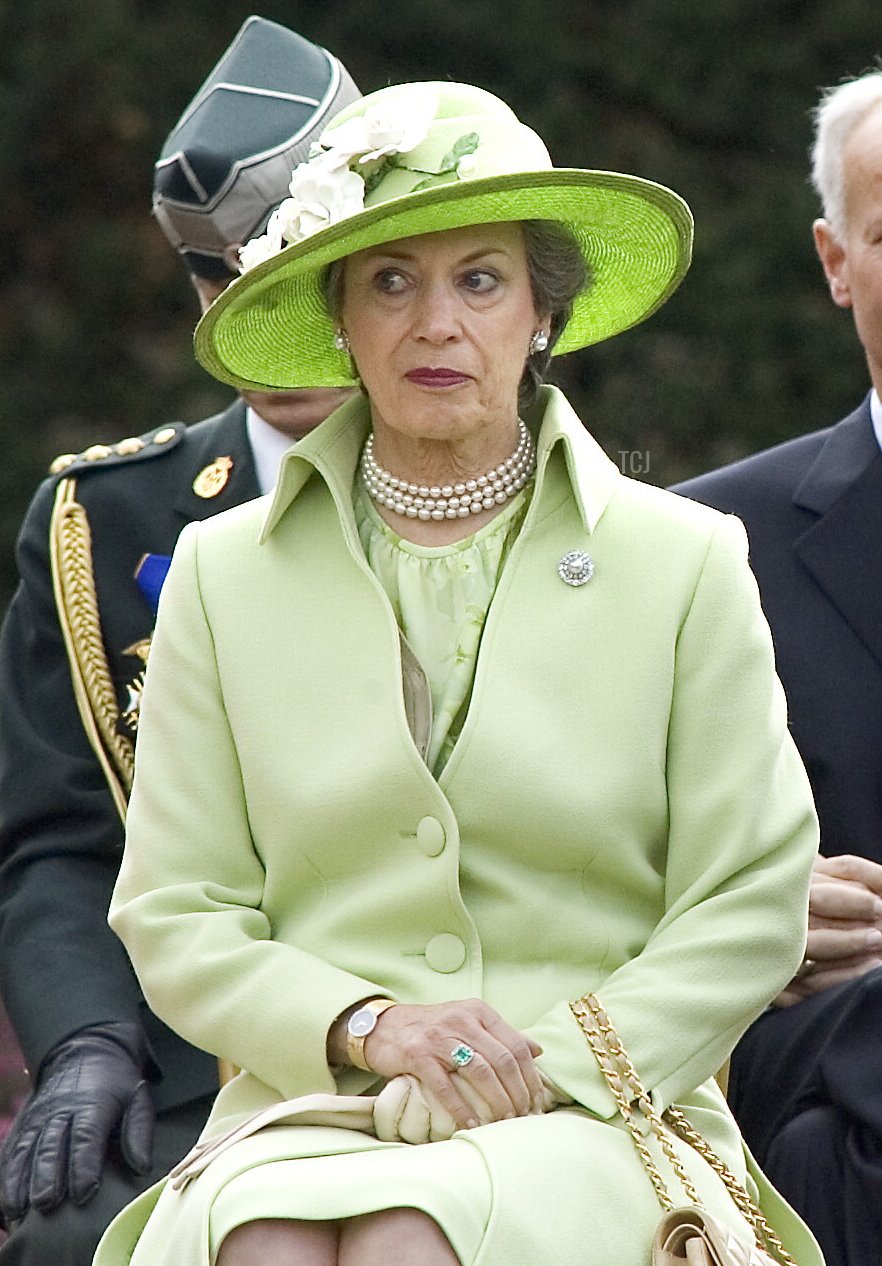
x: 450, y: 501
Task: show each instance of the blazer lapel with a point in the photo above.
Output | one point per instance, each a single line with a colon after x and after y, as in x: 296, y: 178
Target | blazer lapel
x: 226, y: 441
x: 841, y: 549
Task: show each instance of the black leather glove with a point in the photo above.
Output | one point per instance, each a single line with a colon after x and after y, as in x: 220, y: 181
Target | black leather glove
x: 91, y: 1089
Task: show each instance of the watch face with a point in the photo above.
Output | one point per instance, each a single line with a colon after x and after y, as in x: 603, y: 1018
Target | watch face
x: 361, y: 1023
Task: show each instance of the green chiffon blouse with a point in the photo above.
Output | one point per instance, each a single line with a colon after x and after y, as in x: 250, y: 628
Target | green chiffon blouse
x: 441, y: 595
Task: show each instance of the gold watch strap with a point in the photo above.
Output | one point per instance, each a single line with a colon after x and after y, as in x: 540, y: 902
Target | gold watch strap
x: 354, y: 1042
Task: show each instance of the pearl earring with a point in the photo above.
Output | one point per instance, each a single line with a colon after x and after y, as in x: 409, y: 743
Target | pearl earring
x: 341, y: 340
x: 538, y: 342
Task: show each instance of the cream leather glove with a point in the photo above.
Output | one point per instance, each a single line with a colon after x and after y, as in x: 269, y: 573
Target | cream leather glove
x: 404, y: 1111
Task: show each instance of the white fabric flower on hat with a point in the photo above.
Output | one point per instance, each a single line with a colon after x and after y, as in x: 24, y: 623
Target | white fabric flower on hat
x: 382, y: 130
x: 339, y: 146
x: 325, y: 189
x: 467, y: 167
x: 390, y: 135
x: 261, y: 248
x: 320, y: 195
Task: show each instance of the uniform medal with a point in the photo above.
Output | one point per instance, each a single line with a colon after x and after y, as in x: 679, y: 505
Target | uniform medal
x: 212, y: 479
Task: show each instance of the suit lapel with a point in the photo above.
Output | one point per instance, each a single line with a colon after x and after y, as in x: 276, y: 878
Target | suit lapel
x: 225, y: 438
x: 841, y: 549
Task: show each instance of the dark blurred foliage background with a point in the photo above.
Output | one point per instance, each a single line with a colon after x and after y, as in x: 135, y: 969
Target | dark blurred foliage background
x: 709, y: 96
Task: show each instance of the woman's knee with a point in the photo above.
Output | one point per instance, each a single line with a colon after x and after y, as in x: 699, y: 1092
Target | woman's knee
x: 280, y: 1242
x: 395, y: 1237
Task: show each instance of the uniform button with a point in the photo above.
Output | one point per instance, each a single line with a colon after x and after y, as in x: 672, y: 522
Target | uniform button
x: 127, y: 448
x: 430, y: 837
x: 97, y: 453
x: 163, y: 436
x: 61, y: 463
x: 445, y: 952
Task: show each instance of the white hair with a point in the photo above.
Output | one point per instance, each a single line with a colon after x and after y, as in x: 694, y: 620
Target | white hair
x: 839, y: 112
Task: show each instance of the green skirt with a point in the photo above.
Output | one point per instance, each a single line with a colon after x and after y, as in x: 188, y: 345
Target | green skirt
x: 566, y: 1186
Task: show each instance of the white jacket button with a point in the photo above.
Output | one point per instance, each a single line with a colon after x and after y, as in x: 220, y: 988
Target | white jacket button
x: 430, y: 837
x: 445, y: 952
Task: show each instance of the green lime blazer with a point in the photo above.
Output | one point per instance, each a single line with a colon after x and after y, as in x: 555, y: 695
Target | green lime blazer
x: 624, y: 810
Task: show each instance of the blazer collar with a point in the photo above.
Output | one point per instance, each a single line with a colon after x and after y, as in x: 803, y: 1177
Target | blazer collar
x: 850, y: 447
x: 333, y: 449
x: 223, y: 435
x: 841, y: 548
x: 591, y: 475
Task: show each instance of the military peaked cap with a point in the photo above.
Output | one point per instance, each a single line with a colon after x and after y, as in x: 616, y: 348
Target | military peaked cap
x: 229, y: 158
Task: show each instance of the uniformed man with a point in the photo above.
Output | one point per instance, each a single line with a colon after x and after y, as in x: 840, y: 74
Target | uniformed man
x: 117, y: 1097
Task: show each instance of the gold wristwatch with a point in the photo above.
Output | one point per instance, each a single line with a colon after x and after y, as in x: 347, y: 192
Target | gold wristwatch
x: 360, y: 1026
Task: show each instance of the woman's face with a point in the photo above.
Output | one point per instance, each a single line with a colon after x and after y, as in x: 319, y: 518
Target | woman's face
x: 439, y: 326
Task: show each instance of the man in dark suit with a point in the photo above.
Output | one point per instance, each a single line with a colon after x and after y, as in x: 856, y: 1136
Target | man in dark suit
x: 117, y: 1097
x: 805, y: 1081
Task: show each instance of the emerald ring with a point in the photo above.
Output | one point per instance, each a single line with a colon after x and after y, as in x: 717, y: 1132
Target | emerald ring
x: 462, y: 1055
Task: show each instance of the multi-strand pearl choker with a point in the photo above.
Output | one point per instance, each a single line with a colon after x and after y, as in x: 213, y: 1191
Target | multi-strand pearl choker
x: 450, y: 501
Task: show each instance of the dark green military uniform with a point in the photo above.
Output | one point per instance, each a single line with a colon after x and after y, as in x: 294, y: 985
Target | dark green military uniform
x: 71, y: 664
x: 61, y: 832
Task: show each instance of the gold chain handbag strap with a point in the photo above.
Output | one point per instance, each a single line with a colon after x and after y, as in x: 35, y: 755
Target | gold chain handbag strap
x: 633, y: 1102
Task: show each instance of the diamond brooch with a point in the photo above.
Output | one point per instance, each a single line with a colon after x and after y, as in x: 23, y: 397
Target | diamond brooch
x: 576, y: 568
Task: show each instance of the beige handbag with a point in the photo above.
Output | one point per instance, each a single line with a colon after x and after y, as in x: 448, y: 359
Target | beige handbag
x: 686, y: 1234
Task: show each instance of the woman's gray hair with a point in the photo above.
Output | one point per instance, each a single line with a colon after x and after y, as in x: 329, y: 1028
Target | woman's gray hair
x: 558, y: 275
x: 836, y: 116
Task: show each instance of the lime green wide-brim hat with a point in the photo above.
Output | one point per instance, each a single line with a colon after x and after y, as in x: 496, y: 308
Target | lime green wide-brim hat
x: 433, y: 156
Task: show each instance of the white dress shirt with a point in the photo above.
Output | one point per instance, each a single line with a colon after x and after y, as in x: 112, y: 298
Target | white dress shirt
x: 269, y: 446
x: 876, y: 415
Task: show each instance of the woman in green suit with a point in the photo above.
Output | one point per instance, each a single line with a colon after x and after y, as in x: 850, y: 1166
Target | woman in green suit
x: 455, y: 726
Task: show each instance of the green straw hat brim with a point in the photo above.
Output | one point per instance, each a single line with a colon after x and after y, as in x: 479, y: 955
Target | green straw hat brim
x: 271, y: 328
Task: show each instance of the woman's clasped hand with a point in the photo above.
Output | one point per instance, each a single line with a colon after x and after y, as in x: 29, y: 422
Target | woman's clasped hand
x: 420, y: 1040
